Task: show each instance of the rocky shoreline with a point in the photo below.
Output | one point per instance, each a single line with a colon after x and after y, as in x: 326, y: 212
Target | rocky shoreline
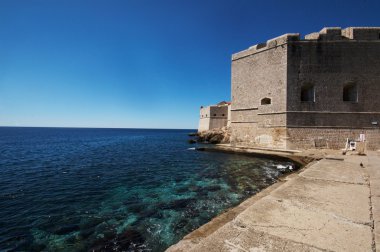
x: 214, y: 136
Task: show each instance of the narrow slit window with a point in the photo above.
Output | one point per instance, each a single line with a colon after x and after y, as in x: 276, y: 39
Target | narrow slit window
x: 266, y: 101
x: 308, y: 93
x: 350, y: 93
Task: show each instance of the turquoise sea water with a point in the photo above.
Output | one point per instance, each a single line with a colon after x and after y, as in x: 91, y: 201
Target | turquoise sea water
x: 65, y: 189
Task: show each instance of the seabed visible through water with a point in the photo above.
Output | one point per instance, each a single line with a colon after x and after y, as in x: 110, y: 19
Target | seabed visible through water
x: 116, y: 189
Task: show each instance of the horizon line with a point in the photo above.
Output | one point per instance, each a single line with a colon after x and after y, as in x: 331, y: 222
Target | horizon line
x: 83, y: 127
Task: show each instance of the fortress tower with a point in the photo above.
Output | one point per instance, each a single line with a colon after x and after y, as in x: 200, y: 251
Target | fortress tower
x: 214, y: 116
x: 294, y: 93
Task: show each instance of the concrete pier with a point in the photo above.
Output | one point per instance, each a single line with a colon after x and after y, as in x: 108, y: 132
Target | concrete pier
x: 333, y: 204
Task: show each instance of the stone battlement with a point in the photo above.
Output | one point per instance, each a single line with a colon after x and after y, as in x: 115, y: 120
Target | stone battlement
x: 283, y: 39
x: 350, y: 33
x: 326, y: 34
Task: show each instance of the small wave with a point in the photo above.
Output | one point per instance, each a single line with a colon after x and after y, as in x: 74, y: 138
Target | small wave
x: 283, y: 167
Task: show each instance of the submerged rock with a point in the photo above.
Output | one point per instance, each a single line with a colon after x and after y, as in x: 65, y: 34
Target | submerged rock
x: 175, y: 204
x: 85, y: 233
x: 212, y: 188
x: 129, y: 237
x: 191, y: 141
x: 66, y: 229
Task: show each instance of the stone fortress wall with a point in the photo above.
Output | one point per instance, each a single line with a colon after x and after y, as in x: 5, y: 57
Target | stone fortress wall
x: 295, y: 93
x: 212, y: 117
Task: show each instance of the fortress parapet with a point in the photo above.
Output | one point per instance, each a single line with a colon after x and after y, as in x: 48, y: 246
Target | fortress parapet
x: 326, y: 34
x: 350, y: 33
x: 278, y: 41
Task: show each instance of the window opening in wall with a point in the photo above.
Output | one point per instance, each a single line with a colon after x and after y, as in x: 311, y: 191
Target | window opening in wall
x: 350, y: 92
x: 307, y: 93
x: 222, y: 114
x: 214, y: 114
x: 266, y: 101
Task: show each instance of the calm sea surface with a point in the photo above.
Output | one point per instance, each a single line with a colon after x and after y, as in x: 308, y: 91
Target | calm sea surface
x: 65, y: 189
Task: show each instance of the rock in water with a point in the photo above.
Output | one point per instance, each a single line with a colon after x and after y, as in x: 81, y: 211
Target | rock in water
x: 215, y: 136
x: 191, y: 141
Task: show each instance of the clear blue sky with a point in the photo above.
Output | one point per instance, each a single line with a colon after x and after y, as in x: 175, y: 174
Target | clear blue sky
x: 139, y: 63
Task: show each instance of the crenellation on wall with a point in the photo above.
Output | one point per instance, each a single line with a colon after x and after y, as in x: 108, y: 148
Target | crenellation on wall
x: 362, y: 33
x: 330, y: 34
x: 312, y: 36
x: 272, y: 43
x: 350, y: 34
x: 283, y: 39
x: 332, y: 31
x: 243, y: 53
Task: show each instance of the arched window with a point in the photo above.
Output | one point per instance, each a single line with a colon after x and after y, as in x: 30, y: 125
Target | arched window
x: 350, y: 92
x: 266, y: 101
x: 307, y: 93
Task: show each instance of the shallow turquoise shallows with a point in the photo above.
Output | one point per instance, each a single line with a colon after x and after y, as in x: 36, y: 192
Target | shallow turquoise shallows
x: 65, y: 189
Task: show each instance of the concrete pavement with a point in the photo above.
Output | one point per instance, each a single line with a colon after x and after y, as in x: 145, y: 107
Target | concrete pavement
x: 331, y: 205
